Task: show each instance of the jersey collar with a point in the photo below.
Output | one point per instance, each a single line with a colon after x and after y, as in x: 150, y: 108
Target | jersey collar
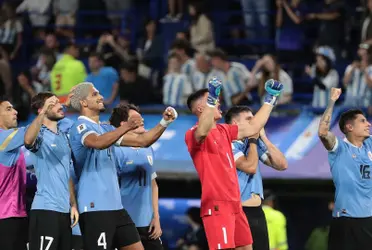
x: 347, y: 141
x: 83, y: 117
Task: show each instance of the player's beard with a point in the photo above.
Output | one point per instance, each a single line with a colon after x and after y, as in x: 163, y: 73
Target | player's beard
x: 55, y: 117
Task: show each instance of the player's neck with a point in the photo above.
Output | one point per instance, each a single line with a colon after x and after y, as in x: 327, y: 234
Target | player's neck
x: 2, y: 126
x: 91, y: 115
x: 356, y: 141
x: 51, y: 125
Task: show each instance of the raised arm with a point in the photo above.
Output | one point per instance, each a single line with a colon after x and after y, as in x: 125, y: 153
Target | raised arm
x: 148, y: 138
x: 206, y: 119
x: 96, y: 141
x: 276, y: 158
x: 34, y: 129
x: 248, y: 164
x: 273, y: 89
x: 328, y: 138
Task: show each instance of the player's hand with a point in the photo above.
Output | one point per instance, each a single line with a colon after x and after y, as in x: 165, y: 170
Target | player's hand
x: 255, y: 136
x: 335, y: 94
x: 262, y: 133
x: 135, y: 121
x: 214, y: 89
x: 70, y: 95
x: 273, y: 89
x: 74, y: 215
x: 49, y: 103
x: 169, y: 115
x: 155, y: 229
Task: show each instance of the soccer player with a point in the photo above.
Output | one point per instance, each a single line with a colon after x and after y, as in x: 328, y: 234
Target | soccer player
x: 54, y: 204
x: 104, y: 223
x: 247, y: 152
x: 13, y: 216
x: 209, y: 145
x: 350, y: 160
x: 138, y: 187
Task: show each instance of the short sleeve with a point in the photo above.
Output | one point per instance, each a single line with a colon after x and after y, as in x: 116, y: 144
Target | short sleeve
x: 335, y: 151
x: 153, y: 172
x: 237, y: 149
x: 12, y: 139
x: 83, y: 130
x: 37, y: 144
x: 231, y: 130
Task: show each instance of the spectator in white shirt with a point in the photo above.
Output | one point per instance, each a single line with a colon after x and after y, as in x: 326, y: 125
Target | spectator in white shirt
x: 236, y: 76
x: 183, y: 49
x: 10, y: 32
x: 323, y: 76
x: 204, y: 71
x: 268, y: 68
x: 176, y: 86
x: 358, y: 79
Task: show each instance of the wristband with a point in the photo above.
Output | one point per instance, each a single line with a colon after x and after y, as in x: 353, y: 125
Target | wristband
x: 252, y: 140
x: 164, y: 123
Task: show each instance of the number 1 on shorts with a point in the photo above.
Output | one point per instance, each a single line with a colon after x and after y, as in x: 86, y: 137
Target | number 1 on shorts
x: 102, y: 240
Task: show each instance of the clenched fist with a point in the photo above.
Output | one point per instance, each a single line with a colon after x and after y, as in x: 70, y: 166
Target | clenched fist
x: 335, y: 94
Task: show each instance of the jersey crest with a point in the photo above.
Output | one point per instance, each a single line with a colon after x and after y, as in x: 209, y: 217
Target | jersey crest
x: 81, y: 128
x: 370, y: 155
x: 149, y: 158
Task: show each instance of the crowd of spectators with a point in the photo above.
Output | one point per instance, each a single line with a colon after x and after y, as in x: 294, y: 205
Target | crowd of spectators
x: 149, y: 72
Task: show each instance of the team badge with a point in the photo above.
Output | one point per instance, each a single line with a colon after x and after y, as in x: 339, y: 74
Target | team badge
x: 81, y: 128
x: 370, y: 155
x: 149, y: 158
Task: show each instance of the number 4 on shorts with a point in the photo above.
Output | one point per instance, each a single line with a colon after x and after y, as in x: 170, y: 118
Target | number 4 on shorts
x: 102, y: 240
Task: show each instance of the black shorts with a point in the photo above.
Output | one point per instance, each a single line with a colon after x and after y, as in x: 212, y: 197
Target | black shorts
x: 149, y: 244
x: 257, y: 223
x: 77, y: 242
x: 13, y: 233
x: 350, y: 234
x: 107, y: 230
x: 49, y: 230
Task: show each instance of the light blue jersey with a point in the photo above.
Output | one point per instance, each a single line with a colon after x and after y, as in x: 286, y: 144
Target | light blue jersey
x: 176, y: 89
x: 249, y: 183
x: 136, y: 172
x: 350, y: 168
x: 52, y: 155
x: 97, y: 187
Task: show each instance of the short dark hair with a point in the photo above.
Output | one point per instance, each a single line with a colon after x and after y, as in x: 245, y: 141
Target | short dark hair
x: 235, y: 111
x: 181, y: 44
x: 121, y: 114
x: 218, y: 53
x: 98, y: 55
x: 4, y: 98
x: 348, y: 116
x: 38, y: 101
x: 195, y: 96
